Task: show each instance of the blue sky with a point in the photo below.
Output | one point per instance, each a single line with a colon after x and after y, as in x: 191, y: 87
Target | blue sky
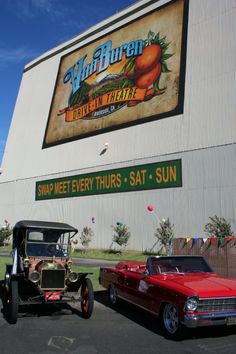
x: 29, y: 28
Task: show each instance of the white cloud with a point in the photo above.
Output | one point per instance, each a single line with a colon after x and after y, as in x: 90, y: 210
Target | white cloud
x: 30, y: 9
x: 42, y: 5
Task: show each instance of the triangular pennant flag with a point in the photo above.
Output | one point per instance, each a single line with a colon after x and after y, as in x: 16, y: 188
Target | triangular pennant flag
x: 207, y: 242
x: 221, y: 241
x: 182, y: 242
x: 229, y: 238
x: 214, y: 240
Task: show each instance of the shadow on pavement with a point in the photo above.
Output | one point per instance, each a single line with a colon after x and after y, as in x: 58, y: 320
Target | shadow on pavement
x: 38, y: 310
x: 153, y: 324
x: 133, y: 313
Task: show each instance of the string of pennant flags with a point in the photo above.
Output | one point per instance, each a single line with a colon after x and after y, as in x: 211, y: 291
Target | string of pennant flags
x: 219, y: 241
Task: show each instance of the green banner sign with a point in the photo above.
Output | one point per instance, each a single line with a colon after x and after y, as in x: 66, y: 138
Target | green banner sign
x: 136, y: 178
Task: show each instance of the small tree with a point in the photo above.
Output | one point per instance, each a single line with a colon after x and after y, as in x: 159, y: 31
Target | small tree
x: 5, y: 233
x: 165, y: 235
x: 86, y: 237
x: 121, y: 235
x: 218, y: 227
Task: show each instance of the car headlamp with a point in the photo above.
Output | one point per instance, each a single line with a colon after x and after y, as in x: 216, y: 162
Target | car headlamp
x: 26, y: 262
x: 191, y: 304
x: 73, y: 277
x: 35, y: 276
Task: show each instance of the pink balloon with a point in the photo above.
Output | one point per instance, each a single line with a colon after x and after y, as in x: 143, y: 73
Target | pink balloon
x: 150, y: 208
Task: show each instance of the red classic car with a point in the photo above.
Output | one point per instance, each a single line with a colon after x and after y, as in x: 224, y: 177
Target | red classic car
x: 182, y: 290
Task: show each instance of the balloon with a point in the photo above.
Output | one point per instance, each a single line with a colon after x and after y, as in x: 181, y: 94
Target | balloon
x: 119, y: 223
x: 150, y: 207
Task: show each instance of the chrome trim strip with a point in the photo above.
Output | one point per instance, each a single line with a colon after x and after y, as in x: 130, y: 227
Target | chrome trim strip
x: 217, y: 298
x: 199, y: 320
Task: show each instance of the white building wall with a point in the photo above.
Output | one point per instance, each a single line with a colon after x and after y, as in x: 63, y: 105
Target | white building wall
x: 208, y: 189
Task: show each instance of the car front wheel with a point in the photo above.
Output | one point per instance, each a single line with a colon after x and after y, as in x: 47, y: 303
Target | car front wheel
x: 13, y: 302
x: 87, y: 298
x: 171, y: 322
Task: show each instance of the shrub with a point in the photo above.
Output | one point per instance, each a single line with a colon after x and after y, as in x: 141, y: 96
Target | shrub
x: 86, y: 237
x: 5, y: 233
x: 218, y: 227
x: 121, y: 235
x: 165, y: 235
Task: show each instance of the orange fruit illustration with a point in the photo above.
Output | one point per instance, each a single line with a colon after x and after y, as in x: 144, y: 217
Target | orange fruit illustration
x: 149, y: 57
x: 148, y: 78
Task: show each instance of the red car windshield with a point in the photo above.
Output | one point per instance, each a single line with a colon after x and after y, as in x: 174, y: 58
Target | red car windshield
x: 178, y: 265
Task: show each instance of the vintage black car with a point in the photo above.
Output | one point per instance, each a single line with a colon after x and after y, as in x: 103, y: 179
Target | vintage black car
x: 41, y: 269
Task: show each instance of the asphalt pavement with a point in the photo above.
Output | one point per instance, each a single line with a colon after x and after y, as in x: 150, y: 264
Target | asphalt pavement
x: 50, y: 329
x: 124, y: 329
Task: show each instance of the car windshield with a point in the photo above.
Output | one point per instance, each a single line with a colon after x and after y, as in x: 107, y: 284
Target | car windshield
x: 179, y: 265
x: 47, y: 243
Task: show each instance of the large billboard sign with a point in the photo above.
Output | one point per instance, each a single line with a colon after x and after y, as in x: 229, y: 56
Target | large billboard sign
x: 131, y: 76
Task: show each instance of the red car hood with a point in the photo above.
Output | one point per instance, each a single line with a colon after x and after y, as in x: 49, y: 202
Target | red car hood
x: 203, y: 285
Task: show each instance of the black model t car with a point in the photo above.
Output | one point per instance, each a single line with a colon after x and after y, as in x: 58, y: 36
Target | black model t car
x: 41, y: 269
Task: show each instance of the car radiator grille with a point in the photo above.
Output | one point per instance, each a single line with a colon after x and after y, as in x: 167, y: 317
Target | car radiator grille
x: 53, y: 279
x: 219, y: 304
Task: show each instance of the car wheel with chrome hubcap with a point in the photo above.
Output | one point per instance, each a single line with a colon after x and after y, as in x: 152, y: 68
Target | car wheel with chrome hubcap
x: 170, y: 321
x: 112, y: 295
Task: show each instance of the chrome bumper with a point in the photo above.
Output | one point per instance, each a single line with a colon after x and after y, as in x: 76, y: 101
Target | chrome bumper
x: 209, y: 319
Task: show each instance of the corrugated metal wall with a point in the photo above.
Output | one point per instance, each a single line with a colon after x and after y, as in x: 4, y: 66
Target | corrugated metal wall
x: 208, y: 189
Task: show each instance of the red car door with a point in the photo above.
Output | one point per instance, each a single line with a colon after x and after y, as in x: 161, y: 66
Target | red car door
x: 138, y: 290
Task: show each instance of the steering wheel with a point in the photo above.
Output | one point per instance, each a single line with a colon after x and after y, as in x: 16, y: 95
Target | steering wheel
x: 55, y: 250
x: 51, y: 250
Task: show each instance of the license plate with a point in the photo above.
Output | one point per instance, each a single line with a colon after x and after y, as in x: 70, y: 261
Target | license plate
x: 52, y: 296
x: 231, y: 321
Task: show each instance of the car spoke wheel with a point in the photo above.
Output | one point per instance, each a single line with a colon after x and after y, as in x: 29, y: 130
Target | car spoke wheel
x: 87, y: 298
x: 170, y: 319
x: 13, y: 304
x: 112, y: 292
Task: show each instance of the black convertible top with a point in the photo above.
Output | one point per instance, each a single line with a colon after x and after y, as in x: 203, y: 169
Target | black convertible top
x: 20, y: 226
x: 44, y: 224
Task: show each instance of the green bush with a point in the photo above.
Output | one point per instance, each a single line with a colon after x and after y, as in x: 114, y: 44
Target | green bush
x: 5, y: 233
x: 165, y: 235
x: 86, y: 237
x: 218, y: 227
x: 121, y: 235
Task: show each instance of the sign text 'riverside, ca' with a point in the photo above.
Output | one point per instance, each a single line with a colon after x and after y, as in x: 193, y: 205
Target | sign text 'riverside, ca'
x: 149, y: 176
